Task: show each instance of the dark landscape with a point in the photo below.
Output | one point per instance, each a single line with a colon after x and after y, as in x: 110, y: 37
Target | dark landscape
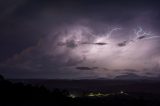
x: 33, y: 92
x: 79, y: 52
x: 97, y: 85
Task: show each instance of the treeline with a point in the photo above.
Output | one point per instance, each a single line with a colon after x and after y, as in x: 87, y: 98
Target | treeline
x: 18, y: 94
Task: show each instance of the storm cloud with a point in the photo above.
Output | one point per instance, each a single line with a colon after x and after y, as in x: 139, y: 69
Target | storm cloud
x: 48, y: 39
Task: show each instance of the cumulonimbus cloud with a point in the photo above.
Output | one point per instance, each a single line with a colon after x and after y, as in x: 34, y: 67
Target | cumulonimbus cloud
x: 110, y: 59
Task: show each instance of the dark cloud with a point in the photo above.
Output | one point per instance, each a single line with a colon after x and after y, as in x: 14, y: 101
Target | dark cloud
x: 130, y: 70
x: 87, y: 68
x: 124, y: 43
x: 31, y: 32
x: 83, y: 68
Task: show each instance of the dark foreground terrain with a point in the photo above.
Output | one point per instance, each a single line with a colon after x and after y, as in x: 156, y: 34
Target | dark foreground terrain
x: 79, y: 93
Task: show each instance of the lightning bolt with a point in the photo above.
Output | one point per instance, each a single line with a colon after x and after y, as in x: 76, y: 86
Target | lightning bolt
x: 112, y: 31
x: 141, y: 34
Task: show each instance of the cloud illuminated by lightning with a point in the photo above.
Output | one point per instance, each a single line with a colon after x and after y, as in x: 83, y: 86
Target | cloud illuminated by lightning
x: 80, y: 46
x: 141, y: 34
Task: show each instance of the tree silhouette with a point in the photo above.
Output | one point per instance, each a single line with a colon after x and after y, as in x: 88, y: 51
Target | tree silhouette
x: 19, y: 94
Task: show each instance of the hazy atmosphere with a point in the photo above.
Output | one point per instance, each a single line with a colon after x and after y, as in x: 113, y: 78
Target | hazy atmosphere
x: 86, y: 39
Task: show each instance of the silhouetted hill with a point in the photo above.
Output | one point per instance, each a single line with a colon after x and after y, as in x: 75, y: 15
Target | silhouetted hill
x: 20, y: 94
x: 131, y: 76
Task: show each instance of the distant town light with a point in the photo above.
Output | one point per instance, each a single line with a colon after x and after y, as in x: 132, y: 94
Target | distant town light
x: 72, y: 96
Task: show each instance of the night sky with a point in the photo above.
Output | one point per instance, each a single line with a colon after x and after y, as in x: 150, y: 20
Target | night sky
x: 76, y: 39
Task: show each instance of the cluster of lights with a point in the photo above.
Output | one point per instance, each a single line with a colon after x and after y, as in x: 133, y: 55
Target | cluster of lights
x: 98, y: 94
